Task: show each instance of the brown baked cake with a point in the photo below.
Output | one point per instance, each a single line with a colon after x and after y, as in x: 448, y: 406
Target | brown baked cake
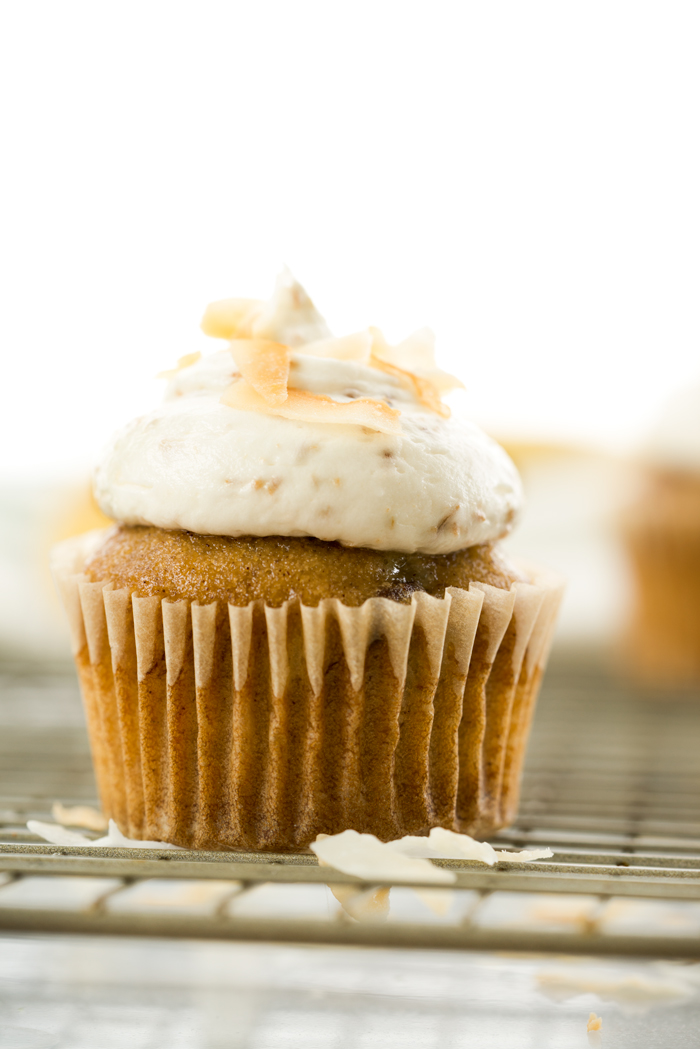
x: 236, y: 570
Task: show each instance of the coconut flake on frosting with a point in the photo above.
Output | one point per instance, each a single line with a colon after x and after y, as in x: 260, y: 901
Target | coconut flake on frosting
x: 262, y: 333
x: 424, y: 390
x: 183, y: 362
x: 265, y: 365
x: 415, y: 355
x: 289, y: 316
x: 355, y: 347
x: 315, y: 408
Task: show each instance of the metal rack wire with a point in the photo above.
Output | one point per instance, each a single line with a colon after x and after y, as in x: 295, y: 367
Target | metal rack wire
x: 612, y: 785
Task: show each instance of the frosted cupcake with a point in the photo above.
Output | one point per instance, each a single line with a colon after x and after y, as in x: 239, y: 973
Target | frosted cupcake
x: 301, y: 622
x: 662, y: 533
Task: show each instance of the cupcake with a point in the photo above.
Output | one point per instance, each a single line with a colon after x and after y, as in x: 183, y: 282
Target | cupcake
x: 301, y: 621
x: 661, y: 528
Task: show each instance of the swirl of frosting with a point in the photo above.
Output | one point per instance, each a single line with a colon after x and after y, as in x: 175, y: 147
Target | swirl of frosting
x: 309, y: 436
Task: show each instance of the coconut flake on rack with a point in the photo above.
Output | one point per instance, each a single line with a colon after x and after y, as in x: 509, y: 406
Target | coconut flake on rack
x: 368, y: 905
x: 595, y: 1023
x: 448, y: 845
x: 373, y: 860
x: 366, y: 857
x: 57, y: 835
x: 114, y: 839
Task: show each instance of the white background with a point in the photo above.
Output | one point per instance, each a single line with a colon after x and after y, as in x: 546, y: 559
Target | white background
x: 522, y: 176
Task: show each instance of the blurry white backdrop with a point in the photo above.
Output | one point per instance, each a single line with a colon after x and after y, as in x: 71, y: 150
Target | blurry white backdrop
x: 521, y: 176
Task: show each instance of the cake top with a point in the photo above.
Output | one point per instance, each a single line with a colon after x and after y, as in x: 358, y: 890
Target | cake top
x: 289, y: 431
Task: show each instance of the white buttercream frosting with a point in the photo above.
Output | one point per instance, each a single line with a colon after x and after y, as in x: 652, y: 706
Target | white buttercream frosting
x: 674, y: 442
x: 195, y: 463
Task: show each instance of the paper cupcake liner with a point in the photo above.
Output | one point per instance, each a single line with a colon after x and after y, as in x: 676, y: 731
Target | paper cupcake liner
x: 662, y: 643
x: 214, y: 726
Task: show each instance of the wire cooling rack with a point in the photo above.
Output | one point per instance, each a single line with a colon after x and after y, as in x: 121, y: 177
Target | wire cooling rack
x: 612, y: 785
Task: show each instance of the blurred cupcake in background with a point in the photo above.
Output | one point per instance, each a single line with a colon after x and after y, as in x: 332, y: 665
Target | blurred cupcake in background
x: 661, y: 528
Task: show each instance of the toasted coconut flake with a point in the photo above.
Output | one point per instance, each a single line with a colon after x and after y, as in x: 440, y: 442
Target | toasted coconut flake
x: 183, y: 362
x: 372, y: 860
x: 348, y: 348
x: 417, y: 352
x: 365, y: 905
x: 57, y: 835
x: 78, y: 816
x: 289, y: 316
x: 188, y: 359
x: 425, y: 392
x: 309, y: 407
x: 415, y: 355
x: 438, y: 901
x: 446, y: 844
x: 443, y: 381
x: 265, y: 365
x: 524, y: 856
x: 380, y: 347
x: 114, y: 839
x: 229, y: 318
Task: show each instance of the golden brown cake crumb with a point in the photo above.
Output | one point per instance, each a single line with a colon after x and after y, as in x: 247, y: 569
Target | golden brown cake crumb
x: 155, y: 562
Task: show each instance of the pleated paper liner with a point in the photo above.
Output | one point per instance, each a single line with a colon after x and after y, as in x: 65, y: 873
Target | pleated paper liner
x: 214, y: 726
